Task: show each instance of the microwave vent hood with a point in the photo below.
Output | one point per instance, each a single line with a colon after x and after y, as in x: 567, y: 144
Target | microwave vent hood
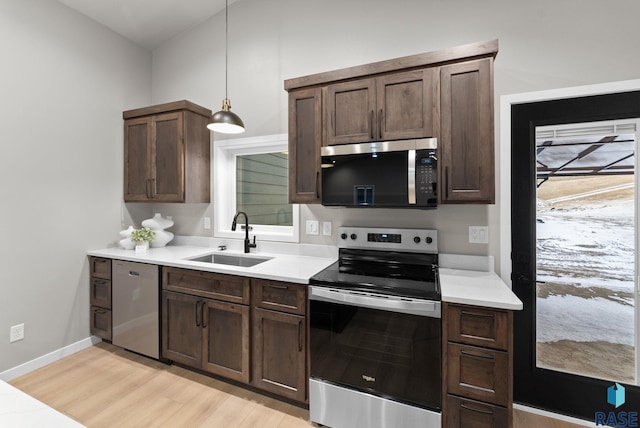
x: 383, y: 174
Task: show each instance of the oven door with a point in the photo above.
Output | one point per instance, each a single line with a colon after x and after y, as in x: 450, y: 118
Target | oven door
x: 390, y: 354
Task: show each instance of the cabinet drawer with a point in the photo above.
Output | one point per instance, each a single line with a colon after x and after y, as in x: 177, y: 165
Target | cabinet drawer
x: 229, y: 288
x: 463, y: 413
x: 478, y: 373
x: 478, y: 326
x: 101, y: 322
x: 101, y: 292
x: 100, y: 267
x: 280, y: 296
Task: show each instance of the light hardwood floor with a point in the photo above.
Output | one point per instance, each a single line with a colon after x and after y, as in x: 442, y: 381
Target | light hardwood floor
x: 105, y: 386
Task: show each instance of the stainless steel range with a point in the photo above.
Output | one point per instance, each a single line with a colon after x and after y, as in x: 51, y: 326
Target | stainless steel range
x: 376, y: 332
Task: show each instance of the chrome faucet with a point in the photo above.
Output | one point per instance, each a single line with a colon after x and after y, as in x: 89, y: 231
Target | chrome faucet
x: 247, y: 243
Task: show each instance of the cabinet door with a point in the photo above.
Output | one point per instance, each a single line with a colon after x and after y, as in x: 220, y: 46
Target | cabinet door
x: 167, y: 155
x: 479, y: 326
x: 406, y: 104
x: 350, y: 115
x: 279, y: 363
x: 478, y: 373
x: 226, y: 339
x: 137, y: 163
x: 462, y: 413
x: 100, y: 324
x: 182, y: 328
x: 305, y: 140
x: 101, y: 292
x: 99, y: 267
x: 466, y: 143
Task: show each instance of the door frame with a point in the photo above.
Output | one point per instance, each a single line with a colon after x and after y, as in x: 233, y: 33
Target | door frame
x: 580, y: 396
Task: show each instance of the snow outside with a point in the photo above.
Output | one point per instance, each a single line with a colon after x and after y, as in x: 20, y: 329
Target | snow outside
x: 585, y: 291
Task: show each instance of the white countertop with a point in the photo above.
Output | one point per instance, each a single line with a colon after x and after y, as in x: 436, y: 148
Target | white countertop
x: 477, y: 288
x: 480, y: 286
x: 18, y: 409
x: 282, y: 267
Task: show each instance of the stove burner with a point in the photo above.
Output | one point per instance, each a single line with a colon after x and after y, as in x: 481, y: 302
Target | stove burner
x: 392, y: 266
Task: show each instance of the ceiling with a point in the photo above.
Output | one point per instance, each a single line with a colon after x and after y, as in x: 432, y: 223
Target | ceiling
x: 148, y: 23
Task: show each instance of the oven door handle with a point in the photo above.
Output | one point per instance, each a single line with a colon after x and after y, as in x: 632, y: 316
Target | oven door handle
x: 403, y: 305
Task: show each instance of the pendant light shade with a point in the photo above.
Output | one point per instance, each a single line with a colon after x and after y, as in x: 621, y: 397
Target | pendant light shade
x: 225, y: 121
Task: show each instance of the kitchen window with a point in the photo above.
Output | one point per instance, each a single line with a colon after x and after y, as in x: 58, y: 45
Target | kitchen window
x: 251, y: 175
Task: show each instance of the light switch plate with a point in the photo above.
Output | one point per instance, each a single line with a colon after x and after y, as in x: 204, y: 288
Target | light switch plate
x: 478, y: 234
x: 206, y: 222
x: 312, y: 227
x: 326, y: 228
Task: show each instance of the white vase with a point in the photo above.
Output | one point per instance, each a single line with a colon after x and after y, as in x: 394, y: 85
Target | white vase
x: 126, y: 242
x: 162, y: 238
x: 158, y: 225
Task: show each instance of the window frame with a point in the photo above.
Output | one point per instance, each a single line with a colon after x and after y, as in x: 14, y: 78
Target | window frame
x: 224, y: 188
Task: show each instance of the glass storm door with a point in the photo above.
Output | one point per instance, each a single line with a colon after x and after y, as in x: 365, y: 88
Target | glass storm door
x: 574, y: 260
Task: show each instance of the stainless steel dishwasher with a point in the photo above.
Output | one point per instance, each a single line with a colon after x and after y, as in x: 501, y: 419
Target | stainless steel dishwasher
x: 135, y: 308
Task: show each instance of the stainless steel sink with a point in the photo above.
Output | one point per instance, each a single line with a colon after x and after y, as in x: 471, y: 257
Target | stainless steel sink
x: 227, y: 259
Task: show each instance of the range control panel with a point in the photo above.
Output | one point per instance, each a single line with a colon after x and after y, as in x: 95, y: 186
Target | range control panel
x: 417, y: 240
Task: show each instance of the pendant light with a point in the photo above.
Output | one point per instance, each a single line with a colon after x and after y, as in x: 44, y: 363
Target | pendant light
x: 225, y: 121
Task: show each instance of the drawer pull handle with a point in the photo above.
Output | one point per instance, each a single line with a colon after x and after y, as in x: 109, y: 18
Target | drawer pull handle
x: 473, y: 354
x: 475, y: 314
x: 486, y: 412
x: 300, y: 335
x: 100, y: 311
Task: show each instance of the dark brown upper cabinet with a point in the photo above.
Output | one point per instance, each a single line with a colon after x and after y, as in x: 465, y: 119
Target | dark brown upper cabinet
x: 305, y: 140
x: 390, y: 107
x: 466, y: 146
x: 167, y: 153
x: 446, y: 94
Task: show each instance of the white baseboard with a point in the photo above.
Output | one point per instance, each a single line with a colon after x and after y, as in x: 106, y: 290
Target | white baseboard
x: 548, y: 414
x: 49, y: 358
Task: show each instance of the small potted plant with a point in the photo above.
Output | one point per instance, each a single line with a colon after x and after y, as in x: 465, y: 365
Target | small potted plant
x: 142, y: 237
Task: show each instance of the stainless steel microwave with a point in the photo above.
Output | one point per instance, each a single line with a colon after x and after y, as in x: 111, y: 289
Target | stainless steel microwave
x: 387, y: 174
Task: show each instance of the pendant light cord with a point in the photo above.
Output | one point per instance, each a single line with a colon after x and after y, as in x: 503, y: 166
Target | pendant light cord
x: 226, y: 49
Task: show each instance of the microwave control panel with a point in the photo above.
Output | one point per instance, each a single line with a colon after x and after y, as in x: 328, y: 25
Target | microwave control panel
x: 426, y: 176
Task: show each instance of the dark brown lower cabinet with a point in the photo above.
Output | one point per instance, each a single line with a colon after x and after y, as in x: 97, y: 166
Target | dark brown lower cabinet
x: 477, y: 366
x: 279, y: 357
x: 101, y: 322
x: 206, y: 334
x: 226, y: 339
x: 464, y: 413
x: 253, y: 331
x: 100, y: 297
x: 181, y: 328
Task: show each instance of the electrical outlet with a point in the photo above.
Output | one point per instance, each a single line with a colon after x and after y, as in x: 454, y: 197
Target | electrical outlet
x: 479, y: 234
x: 206, y: 222
x: 326, y: 228
x: 16, y: 333
x: 312, y: 227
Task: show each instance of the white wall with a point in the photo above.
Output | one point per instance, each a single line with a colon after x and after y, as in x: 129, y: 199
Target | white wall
x: 64, y: 82
x: 543, y: 44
